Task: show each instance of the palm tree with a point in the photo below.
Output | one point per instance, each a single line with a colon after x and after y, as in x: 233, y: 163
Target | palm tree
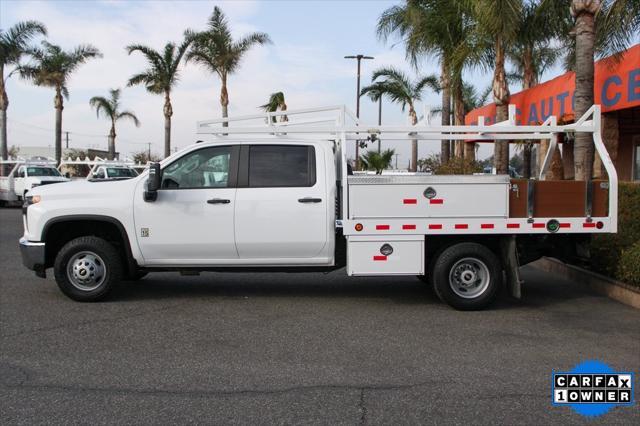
x: 218, y: 52
x: 276, y: 102
x: 110, y: 108
x: 52, y: 67
x: 531, y: 55
x: 397, y: 86
x: 378, y: 161
x: 589, y: 29
x: 161, y: 77
x: 497, y: 27
x: 13, y: 45
x: 428, y: 28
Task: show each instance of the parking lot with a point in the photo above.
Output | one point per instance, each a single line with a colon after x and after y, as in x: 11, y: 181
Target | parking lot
x: 296, y: 348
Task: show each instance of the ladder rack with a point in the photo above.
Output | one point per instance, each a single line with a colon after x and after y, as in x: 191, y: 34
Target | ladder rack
x: 339, y: 124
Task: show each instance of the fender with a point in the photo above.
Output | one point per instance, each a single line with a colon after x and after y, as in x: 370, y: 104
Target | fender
x: 132, y: 265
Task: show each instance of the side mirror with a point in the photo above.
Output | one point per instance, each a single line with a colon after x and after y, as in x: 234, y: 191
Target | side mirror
x: 153, y: 182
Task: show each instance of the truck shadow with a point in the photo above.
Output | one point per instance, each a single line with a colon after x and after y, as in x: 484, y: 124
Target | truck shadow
x: 541, y: 289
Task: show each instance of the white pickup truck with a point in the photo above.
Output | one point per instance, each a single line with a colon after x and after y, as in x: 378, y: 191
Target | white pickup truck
x: 112, y: 172
x: 26, y: 175
x: 281, y: 198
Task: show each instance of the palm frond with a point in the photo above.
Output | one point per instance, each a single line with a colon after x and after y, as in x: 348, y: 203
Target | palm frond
x: 130, y: 115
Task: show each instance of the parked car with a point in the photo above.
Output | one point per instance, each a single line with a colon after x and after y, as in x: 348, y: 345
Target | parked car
x: 26, y: 175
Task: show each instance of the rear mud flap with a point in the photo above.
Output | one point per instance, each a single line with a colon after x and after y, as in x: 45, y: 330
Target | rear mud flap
x: 509, y: 257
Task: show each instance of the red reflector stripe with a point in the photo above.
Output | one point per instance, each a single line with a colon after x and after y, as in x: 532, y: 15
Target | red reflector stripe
x: 589, y: 225
x: 380, y: 258
x: 408, y: 227
x: 538, y: 225
x: 382, y: 227
x: 513, y: 225
x: 565, y: 225
x: 436, y: 201
x: 486, y: 226
x: 410, y: 201
x: 435, y: 226
x: 461, y: 226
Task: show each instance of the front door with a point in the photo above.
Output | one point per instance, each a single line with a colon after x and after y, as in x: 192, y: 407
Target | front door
x: 192, y: 220
x: 281, y: 204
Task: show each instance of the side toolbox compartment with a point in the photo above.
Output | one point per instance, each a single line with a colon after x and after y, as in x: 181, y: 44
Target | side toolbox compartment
x: 388, y: 255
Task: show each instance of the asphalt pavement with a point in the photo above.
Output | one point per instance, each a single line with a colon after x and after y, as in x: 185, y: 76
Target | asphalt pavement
x: 223, y: 348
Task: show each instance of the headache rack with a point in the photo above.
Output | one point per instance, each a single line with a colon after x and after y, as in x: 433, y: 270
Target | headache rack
x: 446, y: 204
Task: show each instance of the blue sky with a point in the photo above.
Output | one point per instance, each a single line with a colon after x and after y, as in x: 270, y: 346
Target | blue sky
x: 305, y: 62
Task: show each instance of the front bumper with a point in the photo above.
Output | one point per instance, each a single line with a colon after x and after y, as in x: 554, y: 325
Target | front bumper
x: 33, y: 256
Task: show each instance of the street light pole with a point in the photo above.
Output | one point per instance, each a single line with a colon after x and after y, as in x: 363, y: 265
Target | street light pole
x: 379, y: 119
x: 359, y: 58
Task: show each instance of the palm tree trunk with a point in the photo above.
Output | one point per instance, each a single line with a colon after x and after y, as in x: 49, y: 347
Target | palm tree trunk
x: 112, y: 141
x: 59, y: 106
x: 526, y: 160
x: 584, y: 12
x: 458, y: 112
x: 414, y: 142
x: 445, y: 81
x: 4, y: 104
x: 168, y: 112
x: 224, y: 100
x: 568, y: 165
x: 529, y: 79
x: 501, y: 98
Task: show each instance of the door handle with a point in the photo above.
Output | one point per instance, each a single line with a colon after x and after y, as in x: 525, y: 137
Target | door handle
x: 218, y: 201
x: 309, y: 200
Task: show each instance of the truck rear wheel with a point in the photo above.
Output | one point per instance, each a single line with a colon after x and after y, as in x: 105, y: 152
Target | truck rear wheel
x: 467, y: 276
x: 87, y: 268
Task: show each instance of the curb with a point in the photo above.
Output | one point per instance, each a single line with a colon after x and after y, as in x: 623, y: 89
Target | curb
x: 617, y: 290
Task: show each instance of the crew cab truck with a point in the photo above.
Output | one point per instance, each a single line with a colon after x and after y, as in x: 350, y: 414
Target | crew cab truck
x: 100, y: 169
x: 26, y: 175
x: 280, y: 197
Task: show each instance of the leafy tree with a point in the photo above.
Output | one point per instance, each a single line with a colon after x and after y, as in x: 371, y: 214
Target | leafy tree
x: 110, y: 109
x: 161, y: 76
x: 52, y: 67
x: 276, y: 102
x: 378, y: 161
x: 399, y: 88
x: 144, y: 156
x: 217, y: 51
x: 455, y: 165
x: 13, y: 46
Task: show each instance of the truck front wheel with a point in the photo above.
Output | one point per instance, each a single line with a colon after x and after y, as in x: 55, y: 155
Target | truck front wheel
x: 87, y: 268
x: 467, y: 276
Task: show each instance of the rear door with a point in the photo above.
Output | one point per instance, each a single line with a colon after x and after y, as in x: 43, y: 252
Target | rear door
x: 281, y: 203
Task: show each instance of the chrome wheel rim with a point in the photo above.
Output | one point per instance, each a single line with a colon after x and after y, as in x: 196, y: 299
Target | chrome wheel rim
x: 86, y: 271
x: 469, y: 277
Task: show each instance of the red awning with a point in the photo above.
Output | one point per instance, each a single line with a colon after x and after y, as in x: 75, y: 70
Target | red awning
x: 617, y: 86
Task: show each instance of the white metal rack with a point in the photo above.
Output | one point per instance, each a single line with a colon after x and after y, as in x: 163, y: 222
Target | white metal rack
x: 339, y: 125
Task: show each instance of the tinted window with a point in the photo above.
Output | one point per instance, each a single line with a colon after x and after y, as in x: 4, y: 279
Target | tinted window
x: 42, y: 171
x: 281, y: 165
x: 205, y: 168
x: 121, y: 172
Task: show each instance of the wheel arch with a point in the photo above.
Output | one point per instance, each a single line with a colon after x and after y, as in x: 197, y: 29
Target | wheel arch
x: 60, y: 230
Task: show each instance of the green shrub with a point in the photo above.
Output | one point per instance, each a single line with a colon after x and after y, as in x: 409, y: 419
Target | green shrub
x: 618, y: 255
x: 629, y: 265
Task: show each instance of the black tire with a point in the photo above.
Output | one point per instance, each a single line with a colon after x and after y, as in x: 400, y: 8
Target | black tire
x: 459, y: 276
x: 96, y: 253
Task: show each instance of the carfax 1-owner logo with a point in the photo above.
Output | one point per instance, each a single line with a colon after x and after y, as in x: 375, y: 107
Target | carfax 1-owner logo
x: 592, y: 388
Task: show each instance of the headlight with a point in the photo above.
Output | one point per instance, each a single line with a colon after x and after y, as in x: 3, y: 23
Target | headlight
x: 33, y: 199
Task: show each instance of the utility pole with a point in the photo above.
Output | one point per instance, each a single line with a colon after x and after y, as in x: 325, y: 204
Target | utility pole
x: 379, y: 121
x: 66, y: 140
x: 359, y: 58
x: 149, y: 151
x: 396, y: 155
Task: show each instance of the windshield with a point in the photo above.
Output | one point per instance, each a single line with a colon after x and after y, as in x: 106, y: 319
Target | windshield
x: 121, y: 172
x: 42, y: 171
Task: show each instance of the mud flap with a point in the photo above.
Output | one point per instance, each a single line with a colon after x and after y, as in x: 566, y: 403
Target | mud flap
x: 509, y: 254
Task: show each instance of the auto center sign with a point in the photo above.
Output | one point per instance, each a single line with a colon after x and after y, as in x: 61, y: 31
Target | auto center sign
x: 617, y: 86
